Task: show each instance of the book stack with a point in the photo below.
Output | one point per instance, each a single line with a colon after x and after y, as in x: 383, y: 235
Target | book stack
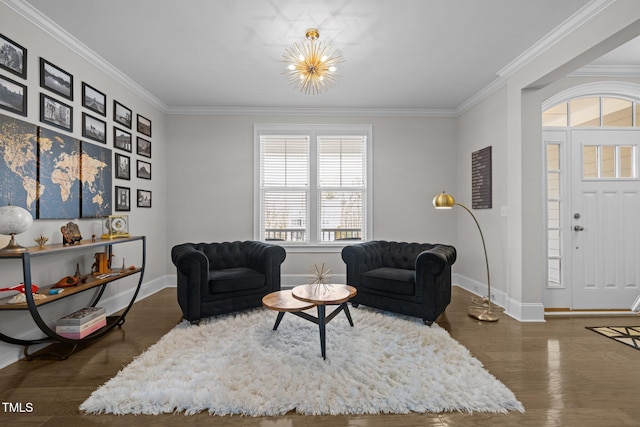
x: 81, y: 323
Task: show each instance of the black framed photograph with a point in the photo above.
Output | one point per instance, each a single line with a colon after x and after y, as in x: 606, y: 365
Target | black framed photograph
x: 123, y: 199
x: 123, y: 166
x: 121, y: 139
x: 56, y: 79
x: 144, y: 198
x: 144, y: 126
x: 13, y: 96
x: 93, y: 99
x: 56, y: 113
x: 122, y: 114
x: 143, y: 169
x: 143, y: 147
x: 94, y: 128
x: 13, y: 57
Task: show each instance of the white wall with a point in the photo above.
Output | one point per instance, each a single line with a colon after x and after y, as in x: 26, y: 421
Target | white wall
x: 482, y: 126
x: 149, y: 222
x: 210, y: 185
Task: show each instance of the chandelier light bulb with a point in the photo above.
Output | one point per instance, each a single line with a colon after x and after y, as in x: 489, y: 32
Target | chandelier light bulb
x: 312, y: 64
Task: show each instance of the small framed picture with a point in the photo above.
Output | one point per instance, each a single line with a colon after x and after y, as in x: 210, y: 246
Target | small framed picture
x: 13, y: 96
x: 121, y: 114
x: 121, y: 139
x: 56, y: 79
x: 123, y: 166
x: 143, y: 169
x: 123, y: 199
x: 94, y: 128
x: 13, y: 57
x: 144, y: 198
x: 93, y: 99
x: 143, y: 147
x: 144, y: 126
x: 56, y: 113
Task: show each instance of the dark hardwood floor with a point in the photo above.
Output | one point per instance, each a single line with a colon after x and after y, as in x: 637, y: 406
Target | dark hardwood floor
x: 564, y: 374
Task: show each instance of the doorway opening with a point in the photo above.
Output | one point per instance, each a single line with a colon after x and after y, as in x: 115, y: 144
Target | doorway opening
x: 591, y: 139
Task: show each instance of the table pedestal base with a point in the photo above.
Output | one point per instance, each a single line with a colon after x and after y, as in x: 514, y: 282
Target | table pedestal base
x: 321, y: 321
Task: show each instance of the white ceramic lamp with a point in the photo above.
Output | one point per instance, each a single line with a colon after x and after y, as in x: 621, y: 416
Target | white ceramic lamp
x: 14, y: 220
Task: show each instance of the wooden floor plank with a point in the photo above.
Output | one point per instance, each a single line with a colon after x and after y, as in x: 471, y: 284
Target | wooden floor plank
x: 563, y: 373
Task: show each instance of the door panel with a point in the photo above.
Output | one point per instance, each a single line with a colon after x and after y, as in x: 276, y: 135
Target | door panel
x: 604, y: 250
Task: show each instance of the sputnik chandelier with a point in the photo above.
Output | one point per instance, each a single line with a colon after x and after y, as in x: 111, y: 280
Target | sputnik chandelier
x: 312, y: 65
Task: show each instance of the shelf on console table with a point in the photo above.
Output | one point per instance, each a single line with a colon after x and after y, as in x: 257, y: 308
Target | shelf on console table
x: 91, y: 283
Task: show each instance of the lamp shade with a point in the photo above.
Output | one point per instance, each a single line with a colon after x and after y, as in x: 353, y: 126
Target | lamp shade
x: 444, y: 201
x: 14, y: 220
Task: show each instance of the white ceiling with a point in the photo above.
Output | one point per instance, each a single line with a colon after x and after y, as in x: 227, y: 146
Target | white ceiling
x: 399, y: 54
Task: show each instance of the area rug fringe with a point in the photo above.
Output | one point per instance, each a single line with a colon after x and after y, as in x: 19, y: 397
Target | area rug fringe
x: 236, y: 364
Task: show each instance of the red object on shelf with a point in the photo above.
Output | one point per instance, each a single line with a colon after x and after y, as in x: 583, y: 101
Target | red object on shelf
x: 20, y: 288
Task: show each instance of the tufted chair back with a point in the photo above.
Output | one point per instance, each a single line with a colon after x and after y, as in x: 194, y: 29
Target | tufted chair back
x: 401, y: 255
x: 380, y: 253
x: 230, y: 254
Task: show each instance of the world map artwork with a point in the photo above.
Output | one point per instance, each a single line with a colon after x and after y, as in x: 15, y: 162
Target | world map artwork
x: 59, y: 186
x: 19, y: 163
x: 74, y: 176
x: 95, y: 174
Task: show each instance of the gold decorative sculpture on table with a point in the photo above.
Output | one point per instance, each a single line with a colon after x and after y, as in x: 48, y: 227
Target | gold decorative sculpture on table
x: 320, y: 276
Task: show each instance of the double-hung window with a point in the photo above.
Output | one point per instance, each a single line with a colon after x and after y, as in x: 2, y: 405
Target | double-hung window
x: 312, y: 184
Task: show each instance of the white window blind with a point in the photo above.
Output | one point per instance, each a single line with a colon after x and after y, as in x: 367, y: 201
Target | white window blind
x: 341, y: 187
x: 284, y: 177
x: 312, y: 185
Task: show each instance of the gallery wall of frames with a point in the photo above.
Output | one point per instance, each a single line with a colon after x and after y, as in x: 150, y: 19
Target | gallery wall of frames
x: 46, y: 170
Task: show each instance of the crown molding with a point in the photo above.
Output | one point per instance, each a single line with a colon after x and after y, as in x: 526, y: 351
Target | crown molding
x: 482, y: 94
x: 568, y: 26
x: 608, y: 71
x: 325, y: 112
x: 41, y: 21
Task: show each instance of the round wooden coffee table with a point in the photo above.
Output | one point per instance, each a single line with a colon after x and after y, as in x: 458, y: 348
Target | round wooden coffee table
x: 304, y: 297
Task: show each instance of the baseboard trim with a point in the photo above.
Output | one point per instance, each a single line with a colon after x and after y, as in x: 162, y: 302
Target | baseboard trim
x: 522, y: 312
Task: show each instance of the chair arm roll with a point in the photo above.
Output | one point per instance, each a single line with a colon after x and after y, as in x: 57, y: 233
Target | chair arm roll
x: 436, y: 259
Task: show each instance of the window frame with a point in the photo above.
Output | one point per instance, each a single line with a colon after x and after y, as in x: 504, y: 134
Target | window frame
x: 313, y: 130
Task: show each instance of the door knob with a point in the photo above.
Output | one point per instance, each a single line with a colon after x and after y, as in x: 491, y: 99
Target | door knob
x: 578, y: 228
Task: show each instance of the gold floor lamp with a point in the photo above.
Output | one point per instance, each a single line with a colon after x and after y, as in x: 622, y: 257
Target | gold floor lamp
x: 481, y: 312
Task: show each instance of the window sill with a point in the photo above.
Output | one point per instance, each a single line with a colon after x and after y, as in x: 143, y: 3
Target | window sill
x: 334, y: 248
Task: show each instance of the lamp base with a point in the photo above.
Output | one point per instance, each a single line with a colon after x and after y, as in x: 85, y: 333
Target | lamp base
x: 13, y: 247
x: 483, y: 302
x: 483, y: 314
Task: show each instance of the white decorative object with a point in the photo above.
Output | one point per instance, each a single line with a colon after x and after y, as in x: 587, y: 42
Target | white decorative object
x: 22, y: 298
x: 14, y: 220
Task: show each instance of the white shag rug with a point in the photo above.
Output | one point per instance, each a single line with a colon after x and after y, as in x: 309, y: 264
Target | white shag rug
x: 236, y: 364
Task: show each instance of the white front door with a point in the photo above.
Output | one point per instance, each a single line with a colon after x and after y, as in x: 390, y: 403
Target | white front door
x: 604, y: 219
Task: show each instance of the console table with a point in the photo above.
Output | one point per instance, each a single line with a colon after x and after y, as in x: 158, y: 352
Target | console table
x: 92, y: 282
